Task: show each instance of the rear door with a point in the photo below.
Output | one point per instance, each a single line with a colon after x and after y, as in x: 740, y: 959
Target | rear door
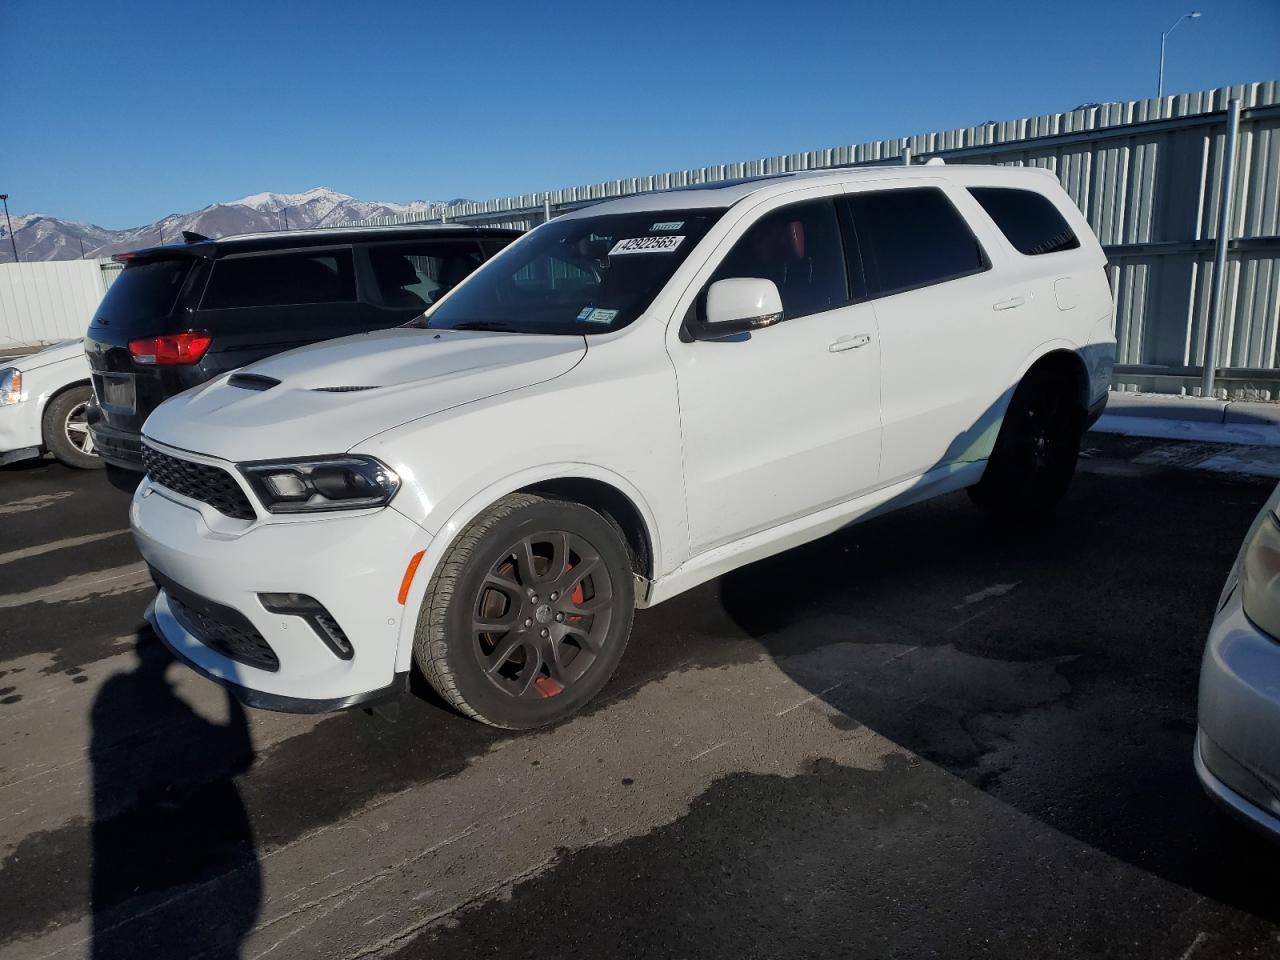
x: 944, y: 317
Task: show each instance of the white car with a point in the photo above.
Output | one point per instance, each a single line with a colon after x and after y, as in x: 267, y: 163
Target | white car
x: 628, y: 401
x: 43, y: 401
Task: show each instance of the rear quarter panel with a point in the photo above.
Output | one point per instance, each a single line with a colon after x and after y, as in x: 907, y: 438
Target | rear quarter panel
x: 1074, y: 304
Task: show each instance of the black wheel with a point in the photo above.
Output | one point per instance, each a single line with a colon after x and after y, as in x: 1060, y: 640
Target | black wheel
x: 1035, y: 453
x: 528, y: 615
x: 66, y: 429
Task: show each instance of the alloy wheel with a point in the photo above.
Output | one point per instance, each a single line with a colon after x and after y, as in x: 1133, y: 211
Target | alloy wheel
x: 542, y: 614
x: 76, y: 428
x: 1041, y: 441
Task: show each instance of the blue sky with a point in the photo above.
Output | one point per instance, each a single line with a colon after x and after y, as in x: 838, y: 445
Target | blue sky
x: 122, y: 112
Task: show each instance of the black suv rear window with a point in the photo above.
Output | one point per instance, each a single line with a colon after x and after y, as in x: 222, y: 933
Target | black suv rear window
x: 280, y: 279
x: 145, y: 290
x: 1028, y: 220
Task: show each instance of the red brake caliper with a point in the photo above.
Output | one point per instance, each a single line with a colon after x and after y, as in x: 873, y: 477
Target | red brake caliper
x: 545, y: 685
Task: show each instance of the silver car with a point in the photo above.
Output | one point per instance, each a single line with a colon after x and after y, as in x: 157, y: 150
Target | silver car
x: 1237, y: 752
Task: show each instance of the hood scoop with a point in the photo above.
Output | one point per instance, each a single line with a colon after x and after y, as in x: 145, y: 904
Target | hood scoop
x: 252, y: 381
x: 341, y: 389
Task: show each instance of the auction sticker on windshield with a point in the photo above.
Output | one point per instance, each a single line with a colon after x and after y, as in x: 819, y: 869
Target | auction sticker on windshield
x: 666, y: 244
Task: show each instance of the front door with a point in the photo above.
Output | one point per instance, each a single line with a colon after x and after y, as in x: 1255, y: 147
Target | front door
x: 784, y: 421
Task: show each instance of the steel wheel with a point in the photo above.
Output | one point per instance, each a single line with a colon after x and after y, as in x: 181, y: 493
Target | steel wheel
x: 76, y: 428
x: 542, y: 615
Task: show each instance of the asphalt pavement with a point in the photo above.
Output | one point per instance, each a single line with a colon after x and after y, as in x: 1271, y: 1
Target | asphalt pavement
x: 920, y: 737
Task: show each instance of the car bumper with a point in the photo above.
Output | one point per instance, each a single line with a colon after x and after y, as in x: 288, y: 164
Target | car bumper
x: 120, y: 448
x: 20, y: 431
x: 351, y: 563
x: 1237, y: 752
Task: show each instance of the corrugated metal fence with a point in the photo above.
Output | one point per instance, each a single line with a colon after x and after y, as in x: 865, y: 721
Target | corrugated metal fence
x: 1146, y: 173
x: 51, y: 300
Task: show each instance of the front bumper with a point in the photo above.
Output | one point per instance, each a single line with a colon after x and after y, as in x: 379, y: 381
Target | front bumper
x: 351, y: 563
x: 270, y: 701
x: 1237, y: 752
x: 20, y: 431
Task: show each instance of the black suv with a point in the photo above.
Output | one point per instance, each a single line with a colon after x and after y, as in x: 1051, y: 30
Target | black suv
x: 182, y: 314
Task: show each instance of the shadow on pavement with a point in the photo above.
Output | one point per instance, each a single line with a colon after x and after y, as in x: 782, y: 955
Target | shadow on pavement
x: 168, y: 815
x: 1056, y: 668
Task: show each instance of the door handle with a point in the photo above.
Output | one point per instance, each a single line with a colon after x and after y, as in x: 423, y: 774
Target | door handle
x: 850, y: 342
x: 1009, y: 304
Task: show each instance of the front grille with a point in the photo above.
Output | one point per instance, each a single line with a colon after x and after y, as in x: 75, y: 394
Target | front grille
x: 240, y: 642
x: 199, y: 481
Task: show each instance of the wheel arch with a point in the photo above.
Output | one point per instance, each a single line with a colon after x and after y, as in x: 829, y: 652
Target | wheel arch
x: 595, y: 487
x: 1063, y: 358
x: 611, y: 503
x: 52, y: 395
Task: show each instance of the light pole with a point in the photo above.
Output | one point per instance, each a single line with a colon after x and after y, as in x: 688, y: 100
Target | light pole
x: 1193, y: 15
x: 5, y: 198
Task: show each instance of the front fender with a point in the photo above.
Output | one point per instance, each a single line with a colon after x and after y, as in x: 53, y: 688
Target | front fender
x: 441, y: 530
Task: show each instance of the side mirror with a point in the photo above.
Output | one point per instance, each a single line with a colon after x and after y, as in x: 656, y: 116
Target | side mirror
x: 739, y: 306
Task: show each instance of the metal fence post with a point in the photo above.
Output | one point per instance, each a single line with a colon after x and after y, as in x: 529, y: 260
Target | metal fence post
x: 546, y: 207
x: 1220, y: 248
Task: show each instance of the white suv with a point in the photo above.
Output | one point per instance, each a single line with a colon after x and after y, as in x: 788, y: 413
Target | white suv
x: 626, y: 402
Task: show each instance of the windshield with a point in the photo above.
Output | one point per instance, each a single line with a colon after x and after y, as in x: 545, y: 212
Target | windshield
x: 577, y: 276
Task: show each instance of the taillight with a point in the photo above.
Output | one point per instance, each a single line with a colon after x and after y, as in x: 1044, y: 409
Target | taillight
x: 171, y: 350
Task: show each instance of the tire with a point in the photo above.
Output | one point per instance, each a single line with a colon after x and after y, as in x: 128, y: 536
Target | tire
x: 1036, y: 450
x: 66, y: 432
x: 556, y: 636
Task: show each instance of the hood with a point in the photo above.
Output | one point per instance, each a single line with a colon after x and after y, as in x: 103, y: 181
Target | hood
x: 63, y: 350
x: 327, y: 397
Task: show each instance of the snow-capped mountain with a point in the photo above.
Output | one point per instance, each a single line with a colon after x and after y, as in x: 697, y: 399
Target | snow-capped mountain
x: 49, y: 238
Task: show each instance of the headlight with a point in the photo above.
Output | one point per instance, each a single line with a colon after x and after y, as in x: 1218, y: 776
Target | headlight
x: 10, y: 386
x: 1260, y: 576
x: 321, y: 483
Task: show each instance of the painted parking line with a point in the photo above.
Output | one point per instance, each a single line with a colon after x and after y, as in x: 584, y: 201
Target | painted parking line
x: 38, y: 502
x: 64, y: 544
x: 131, y: 576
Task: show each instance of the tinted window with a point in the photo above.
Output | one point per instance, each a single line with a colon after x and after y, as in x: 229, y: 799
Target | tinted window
x: 577, y: 274
x: 145, y: 290
x: 415, y: 275
x: 798, y: 248
x: 912, y: 238
x: 277, y: 279
x: 1028, y: 220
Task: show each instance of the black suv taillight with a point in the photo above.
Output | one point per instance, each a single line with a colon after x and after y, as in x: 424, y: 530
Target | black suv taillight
x: 172, y: 349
